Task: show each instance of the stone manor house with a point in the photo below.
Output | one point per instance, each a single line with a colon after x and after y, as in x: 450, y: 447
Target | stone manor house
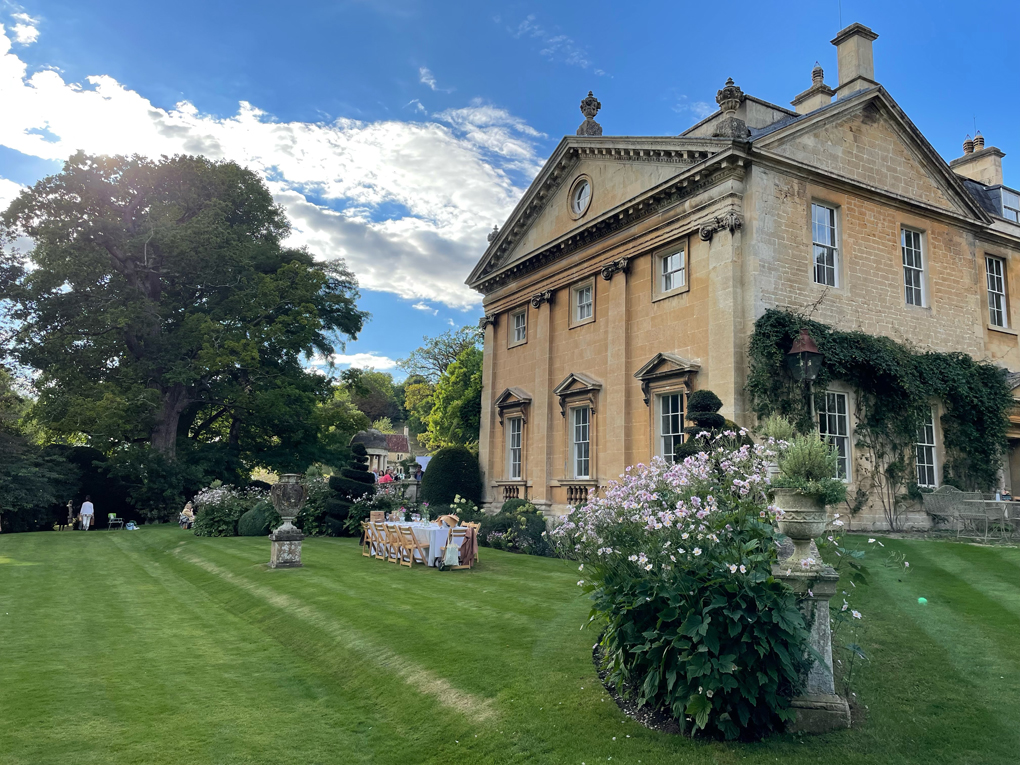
x: 633, y: 269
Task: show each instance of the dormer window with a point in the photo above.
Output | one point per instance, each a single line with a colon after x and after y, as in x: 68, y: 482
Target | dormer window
x: 1011, y: 205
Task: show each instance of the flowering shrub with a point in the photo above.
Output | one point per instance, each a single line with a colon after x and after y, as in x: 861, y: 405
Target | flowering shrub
x: 678, y: 561
x: 219, y: 508
x: 521, y: 529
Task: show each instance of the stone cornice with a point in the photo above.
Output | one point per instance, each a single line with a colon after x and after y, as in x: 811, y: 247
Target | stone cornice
x: 720, y: 167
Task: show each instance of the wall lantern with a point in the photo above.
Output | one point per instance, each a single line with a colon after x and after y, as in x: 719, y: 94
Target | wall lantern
x: 804, y: 360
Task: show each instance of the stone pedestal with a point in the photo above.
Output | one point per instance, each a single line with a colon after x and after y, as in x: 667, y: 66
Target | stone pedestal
x: 818, y: 708
x: 286, y: 547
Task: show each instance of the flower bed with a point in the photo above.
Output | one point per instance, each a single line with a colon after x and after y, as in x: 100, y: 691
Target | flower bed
x: 678, y: 560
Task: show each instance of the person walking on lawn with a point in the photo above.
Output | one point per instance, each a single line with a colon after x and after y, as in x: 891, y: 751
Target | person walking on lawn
x: 87, y: 511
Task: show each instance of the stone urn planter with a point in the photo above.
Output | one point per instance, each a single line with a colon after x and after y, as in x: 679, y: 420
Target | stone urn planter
x: 802, y: 520
x: 288, y: 496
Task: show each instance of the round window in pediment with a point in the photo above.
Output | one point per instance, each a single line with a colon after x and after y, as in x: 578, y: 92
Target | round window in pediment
x: 580, y: 196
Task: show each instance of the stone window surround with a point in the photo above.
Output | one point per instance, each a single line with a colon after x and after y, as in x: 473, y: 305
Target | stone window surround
x: 654, y: 410
x: 823, y: 196
x: 655, y: 383
x: 837, y: 386
x: 983, y: 254
x: 684, y: 243
x: 585, y: 395
x: 925, y: 265
x: 514, y: 403
x: 507, y: 447
x: 937, y: 466
x: 574, y: 321
x: 510, y: 329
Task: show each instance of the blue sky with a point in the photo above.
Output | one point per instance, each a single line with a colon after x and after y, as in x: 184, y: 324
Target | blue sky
x: 396, y: 133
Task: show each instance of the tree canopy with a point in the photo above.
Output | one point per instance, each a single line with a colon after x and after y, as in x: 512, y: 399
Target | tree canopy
x: 432, y: 359
x: 457, y: 403
x: 162, y: 303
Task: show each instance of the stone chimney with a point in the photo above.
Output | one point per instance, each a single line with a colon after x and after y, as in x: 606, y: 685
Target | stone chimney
x: 815, y: 97
x: 856, y: 63
x: 979, y: 163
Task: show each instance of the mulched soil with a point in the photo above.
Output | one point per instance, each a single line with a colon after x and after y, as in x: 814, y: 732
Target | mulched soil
x: 653, y: 719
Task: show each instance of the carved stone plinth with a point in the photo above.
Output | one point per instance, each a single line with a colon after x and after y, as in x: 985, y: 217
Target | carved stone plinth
x: 818, y: 708
x: 286, y: 547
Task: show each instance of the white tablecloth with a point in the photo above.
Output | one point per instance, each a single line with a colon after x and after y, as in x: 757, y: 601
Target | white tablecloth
x: 430, y: 536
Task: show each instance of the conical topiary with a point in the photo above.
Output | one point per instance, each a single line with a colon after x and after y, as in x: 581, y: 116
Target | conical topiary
x: 354, y: 482
x: 703, y: 413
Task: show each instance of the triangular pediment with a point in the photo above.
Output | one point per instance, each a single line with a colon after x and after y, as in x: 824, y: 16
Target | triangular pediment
x: 868, y: 140
x: 576, y: 382
x: 619, y: 170
x: 513, y: 395
x: 666, y: 363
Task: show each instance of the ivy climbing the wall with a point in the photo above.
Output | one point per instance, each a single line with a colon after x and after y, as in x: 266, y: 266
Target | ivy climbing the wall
x: 894, y: 388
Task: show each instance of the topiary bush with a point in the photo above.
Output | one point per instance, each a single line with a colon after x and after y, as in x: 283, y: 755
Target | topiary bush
x: 355, y: 483
x: 703, y: 413
x: 258, y: 521
x: 678, y: 560
x: 452, y: 471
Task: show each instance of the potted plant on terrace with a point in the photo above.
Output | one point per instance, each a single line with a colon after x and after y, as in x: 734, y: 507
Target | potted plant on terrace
x: 803, y: 488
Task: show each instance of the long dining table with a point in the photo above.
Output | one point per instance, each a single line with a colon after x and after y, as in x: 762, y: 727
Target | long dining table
x: 432, y: 537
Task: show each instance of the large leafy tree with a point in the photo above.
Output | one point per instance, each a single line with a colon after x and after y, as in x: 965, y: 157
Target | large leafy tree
x: 457, y: 403
x: 434, y: 356
x: 162, y: 301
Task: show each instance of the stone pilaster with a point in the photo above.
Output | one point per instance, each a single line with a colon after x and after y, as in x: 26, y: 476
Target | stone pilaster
x: 725, y: 338
x: 487, y: 428
x: 618, y: 381
x: 539, y: 435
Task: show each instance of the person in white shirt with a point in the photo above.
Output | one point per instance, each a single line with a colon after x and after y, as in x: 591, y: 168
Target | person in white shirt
x: 87, y: 511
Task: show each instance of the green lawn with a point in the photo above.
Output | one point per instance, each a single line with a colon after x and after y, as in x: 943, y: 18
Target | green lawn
x: 156, y: 646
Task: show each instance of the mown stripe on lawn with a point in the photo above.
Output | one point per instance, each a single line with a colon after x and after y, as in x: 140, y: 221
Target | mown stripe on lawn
x: 421, y: 679
x: 998, y: 583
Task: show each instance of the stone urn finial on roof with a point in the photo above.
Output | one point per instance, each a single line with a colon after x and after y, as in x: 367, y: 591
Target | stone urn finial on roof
x: 589, y: 108
x: 493, y: 234
x: 730, y: 126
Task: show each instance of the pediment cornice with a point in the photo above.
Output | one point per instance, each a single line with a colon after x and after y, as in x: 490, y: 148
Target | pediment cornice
x: 701, y: 163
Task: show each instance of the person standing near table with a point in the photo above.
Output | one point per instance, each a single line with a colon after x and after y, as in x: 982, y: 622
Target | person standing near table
x: 87, y: 511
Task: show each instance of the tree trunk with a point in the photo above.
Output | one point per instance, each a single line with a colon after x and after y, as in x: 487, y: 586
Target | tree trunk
x: 175, y: 400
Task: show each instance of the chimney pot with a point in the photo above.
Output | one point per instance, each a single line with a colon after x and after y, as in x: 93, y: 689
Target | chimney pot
x: 817, y: 75
x: 856, y: 60
x: 979, y: 141
x: 968, y: 145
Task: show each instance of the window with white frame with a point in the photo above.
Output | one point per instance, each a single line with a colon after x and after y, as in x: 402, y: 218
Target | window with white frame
x: 926, y: 452
x: 519, y: 327
x: 834, y: 427
x: 1011, y: 205
x: 671, y: 424
x: 581, y: 441
x: 584, y: 302
x: 514, y: 433
x: 672, y: 270
x: 825, y: 245
x: 913, y: 266
x: 995, y: 273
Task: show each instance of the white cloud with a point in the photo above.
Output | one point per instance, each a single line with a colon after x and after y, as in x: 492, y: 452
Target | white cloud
x: 427, y: 78
x: 360, y: 360
x: 418, y: 107
x: 700, y: 109
x: 407, y: 204
x: 25, y: 30
x: 423, y: 306
x: 8, y: 191
x: 555, y: 47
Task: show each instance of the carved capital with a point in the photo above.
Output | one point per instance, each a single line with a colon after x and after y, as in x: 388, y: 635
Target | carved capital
x: 730, y: 221
x: 616, y: 267
x: 541, y: 297
x: 488, y: 320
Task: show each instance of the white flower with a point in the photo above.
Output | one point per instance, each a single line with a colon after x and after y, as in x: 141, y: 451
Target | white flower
x: 733, y: 568
x: 856, y: 614
x: 580, y: 582
x: 697, y: 551
x: 838, y: 523
x: 709, y: 693
x: 906, y: 564
x: 743, y: 569
x: 581, y: 567
x: 871, y: 541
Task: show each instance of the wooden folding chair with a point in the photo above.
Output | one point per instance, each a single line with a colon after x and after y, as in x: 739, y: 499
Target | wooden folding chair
x: 457, y: 537
x: 417, y: 553
x: 407, y: 544
x: 478, y: 530
x: 377, y: 516
x: 366, y: 539
x: 394, y: 543
x: 382, y: 541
